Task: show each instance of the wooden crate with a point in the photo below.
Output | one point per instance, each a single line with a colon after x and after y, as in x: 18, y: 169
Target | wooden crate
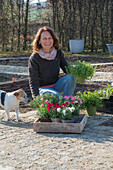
x: 50, y: 127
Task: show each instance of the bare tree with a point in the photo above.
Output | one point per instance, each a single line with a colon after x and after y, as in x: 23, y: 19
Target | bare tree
x: 111, y: 21
x: 26, y: 26
x: 18, y: 29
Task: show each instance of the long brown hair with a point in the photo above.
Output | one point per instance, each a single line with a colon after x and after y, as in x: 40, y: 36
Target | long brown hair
x: 37, y: 46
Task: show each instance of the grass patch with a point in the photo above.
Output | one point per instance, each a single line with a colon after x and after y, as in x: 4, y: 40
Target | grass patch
x: 4, y: 54
x: 86, y: 53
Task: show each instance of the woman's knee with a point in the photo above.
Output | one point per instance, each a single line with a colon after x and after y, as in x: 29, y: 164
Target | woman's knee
x: 50, y: 91
x: 70, y: 78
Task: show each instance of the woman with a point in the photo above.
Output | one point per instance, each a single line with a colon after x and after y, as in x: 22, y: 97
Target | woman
x: 44, y: 66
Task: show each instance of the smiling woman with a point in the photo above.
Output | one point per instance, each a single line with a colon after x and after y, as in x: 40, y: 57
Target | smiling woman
x: 46, y: 41
x: 44, y: 66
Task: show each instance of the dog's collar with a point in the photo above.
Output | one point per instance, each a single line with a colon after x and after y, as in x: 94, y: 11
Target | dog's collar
x: 3, y: 97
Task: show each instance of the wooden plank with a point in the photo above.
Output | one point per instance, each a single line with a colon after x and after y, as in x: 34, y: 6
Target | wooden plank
x: 50, y: 127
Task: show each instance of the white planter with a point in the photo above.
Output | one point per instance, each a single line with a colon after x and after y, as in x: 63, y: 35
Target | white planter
x: 110, y: 48
x: 76, y: 46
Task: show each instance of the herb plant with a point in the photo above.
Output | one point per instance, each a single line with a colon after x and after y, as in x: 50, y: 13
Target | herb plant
x: 106, y: 92
x: 90, y: 99
x: 80, y: 70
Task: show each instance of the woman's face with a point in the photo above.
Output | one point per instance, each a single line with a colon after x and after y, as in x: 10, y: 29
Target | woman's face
x: 46, y: 40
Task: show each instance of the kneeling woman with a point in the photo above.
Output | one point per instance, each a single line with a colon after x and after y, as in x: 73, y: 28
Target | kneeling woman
x: 44, y: 66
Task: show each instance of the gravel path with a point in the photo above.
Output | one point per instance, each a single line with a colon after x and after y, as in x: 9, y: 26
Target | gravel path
x: 22, y: 148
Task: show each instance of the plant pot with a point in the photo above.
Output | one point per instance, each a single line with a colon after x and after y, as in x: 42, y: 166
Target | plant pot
x: 91, y: 110
x: 76, y: 46
x: 56, y: 120
x: 67, y: 121
x: 45, y: 119
x: 110, y: 48
x: 79, y: 80
x: 111, y: 98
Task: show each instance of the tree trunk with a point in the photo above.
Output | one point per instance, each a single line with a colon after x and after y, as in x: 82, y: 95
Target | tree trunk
x: 25, y: 29
x: 18, y: 44
x: 80, y: 16
x: 101, y: 6
x: 12, y: 24
x: 88, y: 19
x: 111, y: 22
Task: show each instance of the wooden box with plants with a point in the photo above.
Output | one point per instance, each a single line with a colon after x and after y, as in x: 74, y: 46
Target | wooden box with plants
x: 106, y: 96
x: 58, y: 114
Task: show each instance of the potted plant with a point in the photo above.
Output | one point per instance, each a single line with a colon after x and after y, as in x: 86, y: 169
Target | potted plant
x: 70, y: 109
x: 76, y: 46
x: 50, y: 106
x: 106, y: 95
x: 106, y: 92
x: 91, y: 100
x: 41, y: 103
x: 81, y: 71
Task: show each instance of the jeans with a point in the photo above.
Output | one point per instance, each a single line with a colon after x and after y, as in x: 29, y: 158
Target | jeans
x: 65, y: 85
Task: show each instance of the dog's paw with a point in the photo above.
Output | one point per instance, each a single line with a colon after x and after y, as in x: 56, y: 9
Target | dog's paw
x: 9, y: 119
x: 19, y: 120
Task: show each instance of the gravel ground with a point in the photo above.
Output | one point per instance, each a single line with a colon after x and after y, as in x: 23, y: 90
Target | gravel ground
x: 22, y: 148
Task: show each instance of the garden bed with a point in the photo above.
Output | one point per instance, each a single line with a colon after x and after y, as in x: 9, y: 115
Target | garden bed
x: 51, y: 127
x: 23, y: 83
x: 107, y: 106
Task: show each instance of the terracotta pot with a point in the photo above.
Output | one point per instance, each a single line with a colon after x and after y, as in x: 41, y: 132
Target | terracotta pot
x: 13, y: 79
x: 56, y: 120
x: 67, y: 121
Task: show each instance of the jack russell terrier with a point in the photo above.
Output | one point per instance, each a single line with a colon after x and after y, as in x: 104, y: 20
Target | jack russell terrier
x: 10, y: 101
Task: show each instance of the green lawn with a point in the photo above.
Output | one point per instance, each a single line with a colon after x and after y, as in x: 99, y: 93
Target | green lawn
x: 68, y: 54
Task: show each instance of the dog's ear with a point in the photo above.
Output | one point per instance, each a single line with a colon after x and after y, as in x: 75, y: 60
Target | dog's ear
x: 21, y: 89
x: 16, y: 94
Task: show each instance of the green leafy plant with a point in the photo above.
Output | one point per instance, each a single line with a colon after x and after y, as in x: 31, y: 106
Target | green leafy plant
x: 90, y: 99
x: 106, y: 92
x: 81, y: 70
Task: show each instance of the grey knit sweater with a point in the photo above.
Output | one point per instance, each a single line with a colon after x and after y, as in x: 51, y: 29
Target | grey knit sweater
x: 44, y: 72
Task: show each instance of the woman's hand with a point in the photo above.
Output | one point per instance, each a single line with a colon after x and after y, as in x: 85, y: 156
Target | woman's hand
x: 62, y: 75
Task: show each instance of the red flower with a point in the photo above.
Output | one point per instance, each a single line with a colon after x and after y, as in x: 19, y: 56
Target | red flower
x: 72, y: 102
x: 57, y: 105
x: 67, y: 103
x: 48, y: 107
x: 52, y: 104
x: 76, y: 103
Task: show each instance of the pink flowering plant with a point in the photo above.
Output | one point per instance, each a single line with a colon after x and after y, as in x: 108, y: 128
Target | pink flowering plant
x: 41, y: 102
x: 49, y: 105
x: 72, y: 106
